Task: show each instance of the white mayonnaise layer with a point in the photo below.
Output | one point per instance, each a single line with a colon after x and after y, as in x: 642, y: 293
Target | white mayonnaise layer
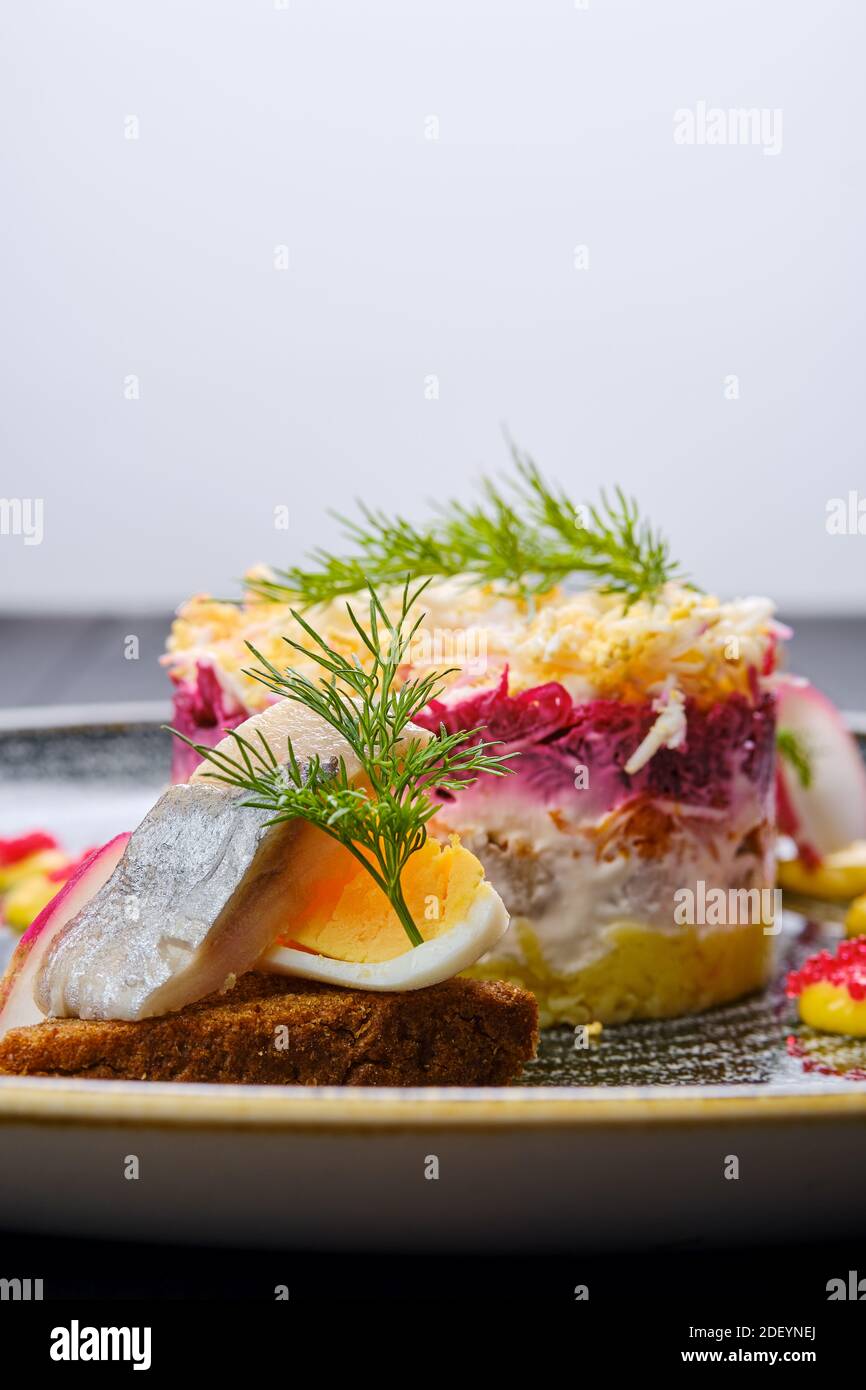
x: 572, y: 889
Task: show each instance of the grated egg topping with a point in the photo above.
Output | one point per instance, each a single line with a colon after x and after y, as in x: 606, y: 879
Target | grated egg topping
x: 591, y: 642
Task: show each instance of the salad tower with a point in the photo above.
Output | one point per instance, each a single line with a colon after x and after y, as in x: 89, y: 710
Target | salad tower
x: 636, y: 713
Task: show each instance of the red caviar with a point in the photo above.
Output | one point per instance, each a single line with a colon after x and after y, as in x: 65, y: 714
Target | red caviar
x: 846, y: 969
x: 21, y: 847
x: 796, y: 1048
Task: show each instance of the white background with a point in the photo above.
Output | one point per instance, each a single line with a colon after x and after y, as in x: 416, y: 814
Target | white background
x: 305, y: 126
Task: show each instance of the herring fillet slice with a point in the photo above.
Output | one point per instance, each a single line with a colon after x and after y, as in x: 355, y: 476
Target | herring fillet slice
x: 197, y: 896
x: 202, y: 890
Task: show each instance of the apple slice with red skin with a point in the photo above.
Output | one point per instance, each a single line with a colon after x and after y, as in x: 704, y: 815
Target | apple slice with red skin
x: 18, y: 1008
x: 830, y: 813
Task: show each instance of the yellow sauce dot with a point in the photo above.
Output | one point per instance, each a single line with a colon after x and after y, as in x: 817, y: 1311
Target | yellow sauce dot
x: 855, y: 917
x: 840, y: 875
x: 831, y: 1009
x: 23, y: 903
x: 42, y: 862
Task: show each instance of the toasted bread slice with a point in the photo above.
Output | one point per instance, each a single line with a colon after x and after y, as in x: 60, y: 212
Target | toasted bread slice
x: 270, y: 1029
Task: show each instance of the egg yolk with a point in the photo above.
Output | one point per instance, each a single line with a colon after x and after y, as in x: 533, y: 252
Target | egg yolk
x: 341, y: 911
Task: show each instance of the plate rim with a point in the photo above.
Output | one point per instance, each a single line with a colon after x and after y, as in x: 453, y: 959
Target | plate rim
x: 27, y: 719
x: 184, y: 1106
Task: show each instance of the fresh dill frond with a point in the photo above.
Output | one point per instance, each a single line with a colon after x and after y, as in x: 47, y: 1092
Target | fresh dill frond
x: 793, y: 749
x: 527, y: 537
x: 382, y: 817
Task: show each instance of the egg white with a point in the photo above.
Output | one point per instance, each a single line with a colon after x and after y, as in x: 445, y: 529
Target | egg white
x: 428, y: 964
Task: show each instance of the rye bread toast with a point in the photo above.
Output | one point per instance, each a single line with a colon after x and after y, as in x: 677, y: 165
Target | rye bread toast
x: 274, y: 1030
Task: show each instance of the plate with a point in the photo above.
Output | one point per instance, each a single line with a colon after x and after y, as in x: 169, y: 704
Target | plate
x: 736, y: 1124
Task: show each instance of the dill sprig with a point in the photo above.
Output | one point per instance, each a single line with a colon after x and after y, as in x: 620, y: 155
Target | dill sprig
x: 381, y: 818
x: 527, y: 537
x: 793, y: 749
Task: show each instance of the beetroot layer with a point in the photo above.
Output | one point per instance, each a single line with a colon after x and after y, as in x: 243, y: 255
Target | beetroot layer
x: 729, y: 740
x: 203, y: 712
x: 725, y: 742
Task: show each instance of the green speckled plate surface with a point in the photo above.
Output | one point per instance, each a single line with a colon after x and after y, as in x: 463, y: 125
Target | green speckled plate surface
x: 758, y: 1040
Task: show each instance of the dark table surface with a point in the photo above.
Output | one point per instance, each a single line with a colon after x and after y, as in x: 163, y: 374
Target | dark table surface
x: 769, y: 1276
x: 75, y: 660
